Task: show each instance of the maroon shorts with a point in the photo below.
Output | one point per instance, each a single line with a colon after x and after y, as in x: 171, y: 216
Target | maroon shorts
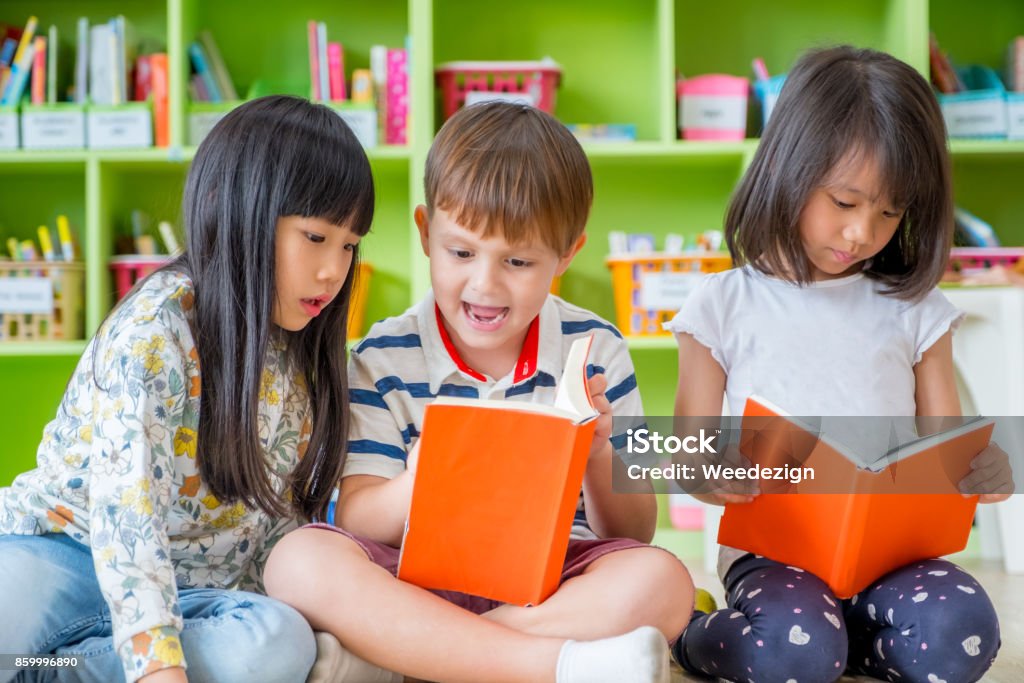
x: 578, y: 557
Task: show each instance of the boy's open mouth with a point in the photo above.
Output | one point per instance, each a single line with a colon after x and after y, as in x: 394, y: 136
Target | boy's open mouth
x: 485, y: 315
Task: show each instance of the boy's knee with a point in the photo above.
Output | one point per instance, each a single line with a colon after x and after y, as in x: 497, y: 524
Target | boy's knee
x: 298, y: 557
x: 665, y: 586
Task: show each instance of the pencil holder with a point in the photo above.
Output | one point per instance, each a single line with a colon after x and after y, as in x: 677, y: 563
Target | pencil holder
x: 713, y: 107
x: 41, y: 300
x: 130, y: 268
x: 767, y: 93
x: 649, y: 289
x: 533, y: 83
x: 10, y: 137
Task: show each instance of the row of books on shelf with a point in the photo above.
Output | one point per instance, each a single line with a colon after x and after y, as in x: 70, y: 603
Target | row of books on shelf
x: 103, y: 67
x: 376, y: 105
x: 108, y: 73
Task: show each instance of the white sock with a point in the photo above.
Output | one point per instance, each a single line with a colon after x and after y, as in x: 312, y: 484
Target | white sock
x: 640, y: 656
x: 335, y: 664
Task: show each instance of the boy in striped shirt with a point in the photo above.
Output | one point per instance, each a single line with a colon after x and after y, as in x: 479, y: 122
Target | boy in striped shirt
x: 508, y: 192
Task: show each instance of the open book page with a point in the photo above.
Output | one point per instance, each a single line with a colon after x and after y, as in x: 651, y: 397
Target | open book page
x: 572, y: 399
x: 572, y: 394
x: 872, y: 443
x: 875, y: 443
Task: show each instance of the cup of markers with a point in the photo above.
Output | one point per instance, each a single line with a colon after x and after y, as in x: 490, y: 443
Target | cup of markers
x: 41, y: 291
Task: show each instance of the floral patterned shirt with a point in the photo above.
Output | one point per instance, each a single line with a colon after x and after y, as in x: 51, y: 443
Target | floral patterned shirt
x: 117, y: 471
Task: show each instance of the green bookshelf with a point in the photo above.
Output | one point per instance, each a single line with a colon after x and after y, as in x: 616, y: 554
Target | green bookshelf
x: 619, y: 65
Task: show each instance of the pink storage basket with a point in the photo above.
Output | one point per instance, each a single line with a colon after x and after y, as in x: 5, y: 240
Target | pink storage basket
x: 129, y: 269
x: 973, y: 259
x: 536, y: 80
x: 713, y: 107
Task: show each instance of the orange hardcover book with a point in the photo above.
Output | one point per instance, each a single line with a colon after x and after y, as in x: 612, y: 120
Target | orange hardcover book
x: 496, y: 490
x: 852, y: 524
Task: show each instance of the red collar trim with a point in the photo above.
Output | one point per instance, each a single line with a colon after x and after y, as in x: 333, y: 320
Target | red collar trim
x: 452, y: 351
x: 527, y: 363
x: 525, y: 366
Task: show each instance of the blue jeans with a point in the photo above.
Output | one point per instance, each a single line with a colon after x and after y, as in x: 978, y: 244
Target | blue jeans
x: 50, y: 602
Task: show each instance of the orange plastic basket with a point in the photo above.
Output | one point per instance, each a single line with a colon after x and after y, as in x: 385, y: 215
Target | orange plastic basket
x: 63, y: 322
x: 628, y: 273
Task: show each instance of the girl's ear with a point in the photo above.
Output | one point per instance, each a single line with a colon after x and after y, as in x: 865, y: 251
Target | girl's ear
x: 563, y: 263
x: 423, y: 226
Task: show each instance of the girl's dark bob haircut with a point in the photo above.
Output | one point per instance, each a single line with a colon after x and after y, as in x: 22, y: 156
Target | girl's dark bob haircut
x: 838, y: 106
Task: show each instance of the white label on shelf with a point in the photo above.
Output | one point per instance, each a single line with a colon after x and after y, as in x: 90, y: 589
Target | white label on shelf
x: 53, y: 130
x: 714, y: 112
x: 1015, y: 116
x: 363, y: 123
x: 972, y: 118
x: 478, y: 96
x: 26, y: 295
x: 200, y: 124
x: 666, y: 291
x: 120, y: 129
x: 9, y: 130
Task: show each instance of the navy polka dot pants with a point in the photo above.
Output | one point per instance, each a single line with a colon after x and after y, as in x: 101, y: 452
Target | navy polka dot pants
x: 928, y: 622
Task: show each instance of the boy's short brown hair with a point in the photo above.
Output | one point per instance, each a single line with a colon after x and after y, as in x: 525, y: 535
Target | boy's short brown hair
x: 512, y: 170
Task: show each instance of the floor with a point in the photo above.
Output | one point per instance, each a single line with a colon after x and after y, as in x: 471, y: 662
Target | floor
x: 1006, y: 591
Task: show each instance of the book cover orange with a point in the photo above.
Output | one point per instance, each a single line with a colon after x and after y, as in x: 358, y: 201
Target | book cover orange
x: 849, y: 525
x: 496, y: 490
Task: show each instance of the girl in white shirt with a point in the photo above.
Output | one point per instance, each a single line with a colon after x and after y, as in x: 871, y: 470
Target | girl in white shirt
x: 841, y: 228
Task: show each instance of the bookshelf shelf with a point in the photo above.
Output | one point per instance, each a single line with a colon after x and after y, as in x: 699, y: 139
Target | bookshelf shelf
x: 42, y: 348
x: 619, y: 61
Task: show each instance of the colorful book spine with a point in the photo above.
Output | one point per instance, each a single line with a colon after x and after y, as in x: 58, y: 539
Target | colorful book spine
x: 398, y: 98
x: 39, y: 71
x: 26, y: 38
x: 82, y: 61
x: 336, y: 65
x: 19, y: 77
x: 362, y: 86
x: 51, y: 66
x: 379, y: 69
x: 314, y: 61
x: 218, y: 66
x: 10, y: 45
x: 202, y: 67
x: 143, y: 79
x: 321, y: 45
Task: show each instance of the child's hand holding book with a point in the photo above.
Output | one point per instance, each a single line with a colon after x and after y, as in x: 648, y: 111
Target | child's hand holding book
x: 596, y: 386
x: 729, y: 490
x: 991, y: 476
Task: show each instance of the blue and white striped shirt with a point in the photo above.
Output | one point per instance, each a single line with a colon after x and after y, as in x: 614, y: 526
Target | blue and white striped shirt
x: 403, y: 363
